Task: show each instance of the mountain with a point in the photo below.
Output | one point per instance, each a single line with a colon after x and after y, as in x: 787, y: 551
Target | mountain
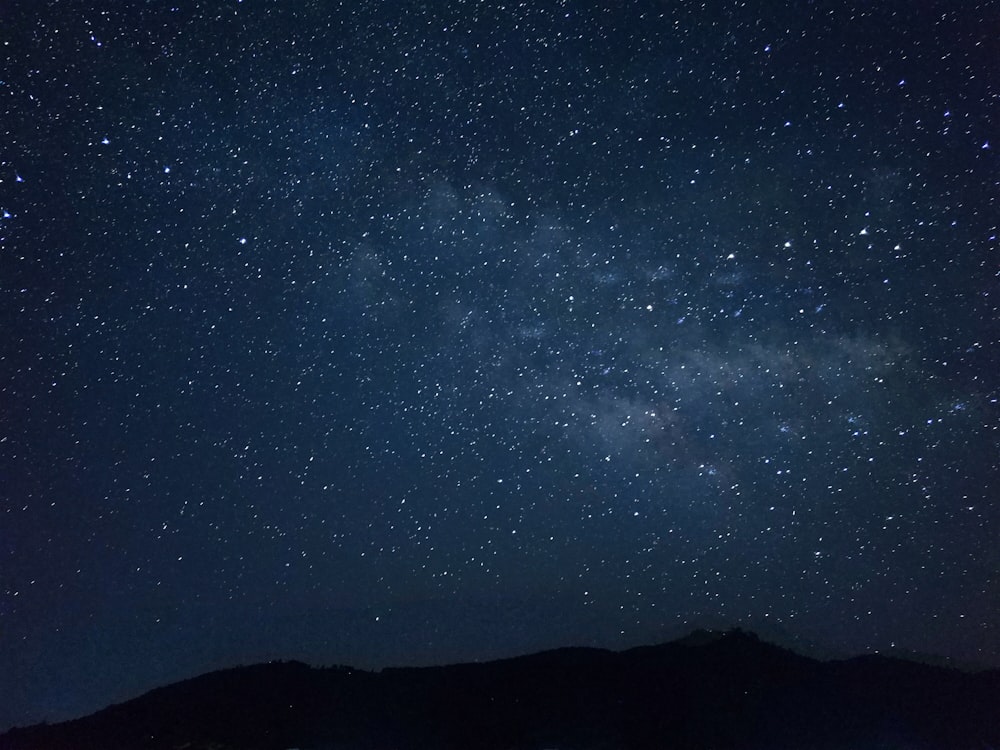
x: 708, y: 690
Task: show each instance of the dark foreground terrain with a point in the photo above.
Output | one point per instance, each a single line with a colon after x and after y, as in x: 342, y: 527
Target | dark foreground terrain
x: 707, y: 691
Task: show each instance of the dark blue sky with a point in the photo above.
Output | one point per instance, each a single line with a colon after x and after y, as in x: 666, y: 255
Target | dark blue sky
x: 406, y: 333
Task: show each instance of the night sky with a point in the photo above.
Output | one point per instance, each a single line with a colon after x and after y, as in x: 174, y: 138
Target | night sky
x: 384, y: 333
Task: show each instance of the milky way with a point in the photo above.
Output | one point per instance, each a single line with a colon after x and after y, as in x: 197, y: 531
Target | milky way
x: 423, y: 332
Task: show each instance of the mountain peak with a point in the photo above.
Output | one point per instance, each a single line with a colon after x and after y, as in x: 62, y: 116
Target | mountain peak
x: 708, y: 689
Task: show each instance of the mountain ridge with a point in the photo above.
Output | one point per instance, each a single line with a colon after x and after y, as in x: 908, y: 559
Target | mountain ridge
x: 708, y: 689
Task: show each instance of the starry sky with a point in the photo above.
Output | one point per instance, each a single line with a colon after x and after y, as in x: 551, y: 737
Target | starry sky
x: 405, y: 333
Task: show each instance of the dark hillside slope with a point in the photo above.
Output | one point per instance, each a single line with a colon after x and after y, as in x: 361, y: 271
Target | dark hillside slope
x: 710, y: 691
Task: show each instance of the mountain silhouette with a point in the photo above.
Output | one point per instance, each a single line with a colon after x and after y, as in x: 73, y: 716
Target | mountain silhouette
x: 707, y: 690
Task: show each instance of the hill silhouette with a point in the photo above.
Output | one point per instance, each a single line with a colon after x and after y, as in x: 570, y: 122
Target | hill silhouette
x: 708, y: 690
